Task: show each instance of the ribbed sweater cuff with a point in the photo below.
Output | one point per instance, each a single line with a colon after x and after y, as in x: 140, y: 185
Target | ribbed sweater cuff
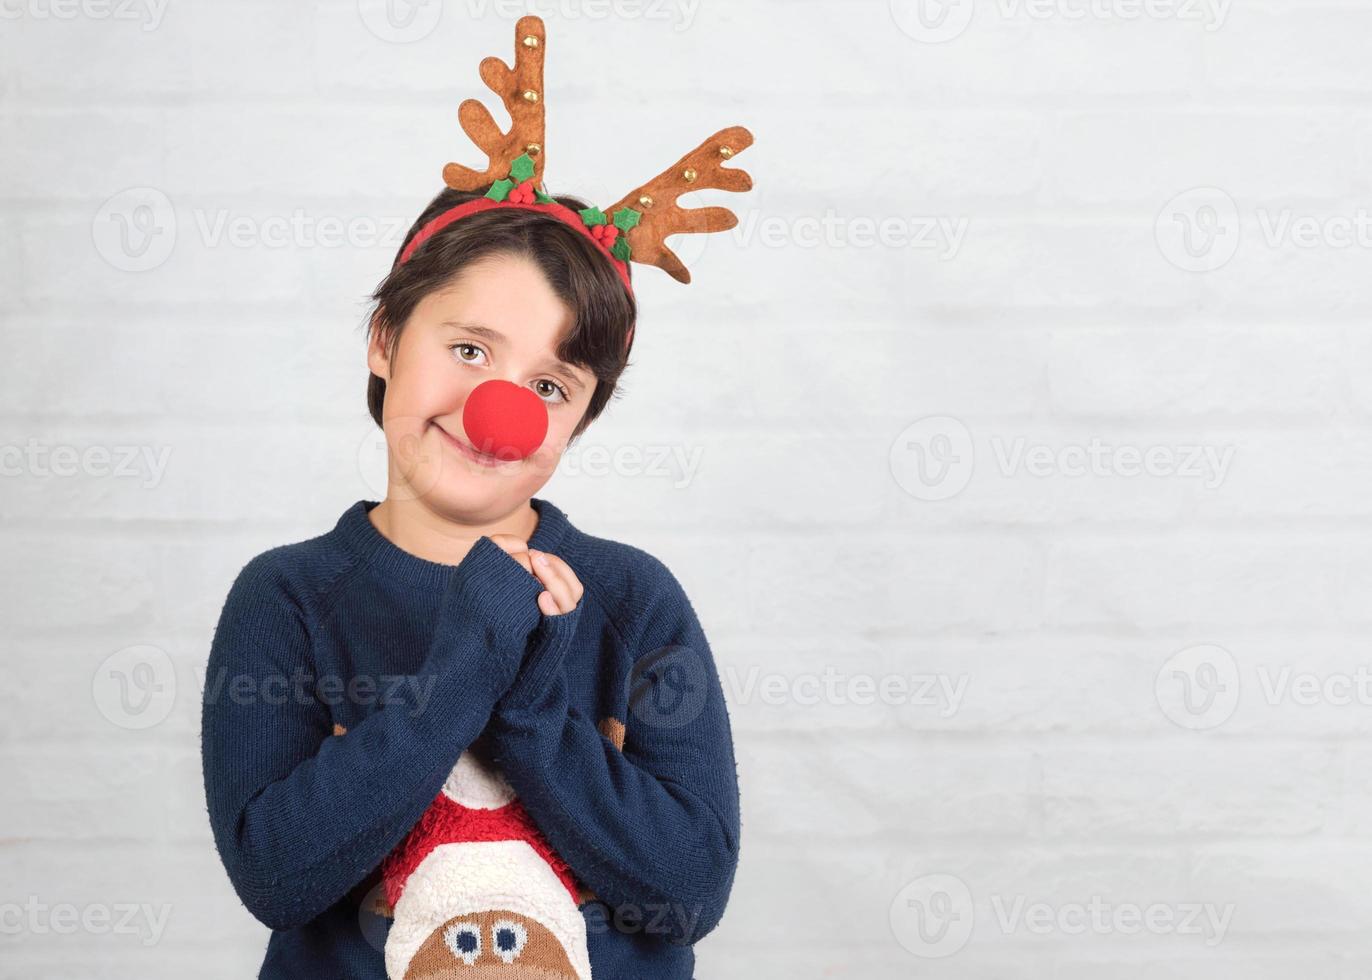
x: 490, y: 584
x: 547, y: 652
x: 489, y: 608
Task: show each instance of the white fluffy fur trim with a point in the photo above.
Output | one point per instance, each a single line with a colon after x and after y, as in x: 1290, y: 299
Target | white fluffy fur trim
x: 477, y: 876
x: 475, y: 784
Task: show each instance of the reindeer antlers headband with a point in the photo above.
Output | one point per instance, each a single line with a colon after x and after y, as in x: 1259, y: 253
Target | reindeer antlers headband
x: 632, y: 229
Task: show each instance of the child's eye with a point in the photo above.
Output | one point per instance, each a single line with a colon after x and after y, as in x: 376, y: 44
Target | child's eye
x: 546, y: 387
x: 462, y: 352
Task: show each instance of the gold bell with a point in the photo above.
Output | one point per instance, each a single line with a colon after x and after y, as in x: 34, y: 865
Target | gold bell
x: 726, y: 152
x: 531, y: 41
x: 530, y: 95
x: 533, y: 149
x: 646, y: 201
x: 689, y: 175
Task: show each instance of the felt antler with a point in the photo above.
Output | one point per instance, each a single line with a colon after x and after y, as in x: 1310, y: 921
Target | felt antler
x: 521, y: 88
x: 656, y: 200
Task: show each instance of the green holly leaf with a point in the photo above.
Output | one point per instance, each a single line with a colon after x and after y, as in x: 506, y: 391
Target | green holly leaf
x: 500, y: 190
x: 543, y: 197
x: 620, y: 250
x: 626, y: 219
x: 594, y: 216
x: 522, y: 168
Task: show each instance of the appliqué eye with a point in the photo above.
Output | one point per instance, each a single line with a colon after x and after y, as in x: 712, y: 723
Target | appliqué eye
x: 508, y: 939
x: 464, y: 939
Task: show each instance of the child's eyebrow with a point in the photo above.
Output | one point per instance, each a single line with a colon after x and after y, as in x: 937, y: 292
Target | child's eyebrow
x: 476, y: 328
x: 495, y: 335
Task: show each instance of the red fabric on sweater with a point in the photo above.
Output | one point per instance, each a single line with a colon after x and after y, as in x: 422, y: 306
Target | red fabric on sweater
x: 449, y: 822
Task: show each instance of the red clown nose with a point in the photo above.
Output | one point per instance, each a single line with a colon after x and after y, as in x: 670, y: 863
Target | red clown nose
x: 505, y: 420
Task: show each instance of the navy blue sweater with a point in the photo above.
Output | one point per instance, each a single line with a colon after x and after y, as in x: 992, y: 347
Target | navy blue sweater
x: 415, y: 660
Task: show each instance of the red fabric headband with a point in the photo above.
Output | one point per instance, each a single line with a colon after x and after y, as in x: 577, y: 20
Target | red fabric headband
x: 560, y: 211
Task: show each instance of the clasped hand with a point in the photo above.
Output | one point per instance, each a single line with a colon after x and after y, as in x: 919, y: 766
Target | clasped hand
x: 562, y: 589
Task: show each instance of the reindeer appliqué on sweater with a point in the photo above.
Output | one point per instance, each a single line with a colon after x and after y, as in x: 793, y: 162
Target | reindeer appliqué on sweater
x: 475, y: 890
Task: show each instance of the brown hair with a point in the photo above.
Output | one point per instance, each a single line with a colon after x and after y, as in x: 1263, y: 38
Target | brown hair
x: 602, y: 311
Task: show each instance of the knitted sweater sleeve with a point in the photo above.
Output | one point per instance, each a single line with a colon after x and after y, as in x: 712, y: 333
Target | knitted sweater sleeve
x: 653, y: 830
x: 300, y: 817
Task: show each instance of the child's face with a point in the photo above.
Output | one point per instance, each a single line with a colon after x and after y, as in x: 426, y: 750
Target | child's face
x: 500, y: 320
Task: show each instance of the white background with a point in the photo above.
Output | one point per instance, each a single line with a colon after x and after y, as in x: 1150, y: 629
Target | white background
x: 977, y: 456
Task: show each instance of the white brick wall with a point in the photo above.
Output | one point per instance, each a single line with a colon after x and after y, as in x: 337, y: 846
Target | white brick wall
x: 1138, y: 690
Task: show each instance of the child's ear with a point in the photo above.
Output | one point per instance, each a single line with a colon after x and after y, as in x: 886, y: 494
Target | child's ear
x: 377, y: 361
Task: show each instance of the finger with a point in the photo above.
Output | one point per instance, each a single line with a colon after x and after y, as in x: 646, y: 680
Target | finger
x: 554, y: 583
x: 567, y: 575
x: 514, y: 546
x: 548, y: 604
x: 553, y: 580
x: 509, y: 543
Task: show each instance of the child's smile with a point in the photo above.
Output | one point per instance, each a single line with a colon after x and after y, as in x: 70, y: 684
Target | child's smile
x: 469, y: 452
